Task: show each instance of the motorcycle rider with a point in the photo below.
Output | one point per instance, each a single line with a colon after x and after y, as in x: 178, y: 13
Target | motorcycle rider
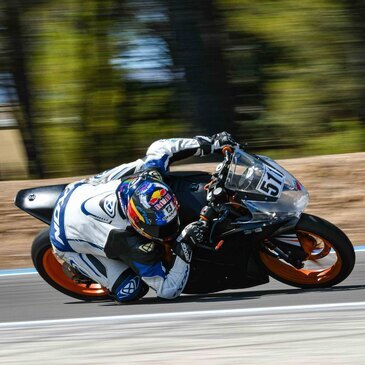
x: 108, y: 227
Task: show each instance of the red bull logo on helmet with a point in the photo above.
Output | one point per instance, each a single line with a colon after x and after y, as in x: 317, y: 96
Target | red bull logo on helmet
x: 160, y: 198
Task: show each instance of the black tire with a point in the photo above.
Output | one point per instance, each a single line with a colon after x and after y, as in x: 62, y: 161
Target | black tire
x: 338, y: 241
x: 41, y: 246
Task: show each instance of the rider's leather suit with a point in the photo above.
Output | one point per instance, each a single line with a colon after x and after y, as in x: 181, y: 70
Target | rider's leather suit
x: 90, y: 231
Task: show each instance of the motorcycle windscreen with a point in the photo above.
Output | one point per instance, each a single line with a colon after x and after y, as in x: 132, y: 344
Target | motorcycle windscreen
x: 265, y: 188
x: 249, y: 175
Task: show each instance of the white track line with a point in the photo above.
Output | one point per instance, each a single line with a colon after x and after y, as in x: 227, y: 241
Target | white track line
x: 183, y: 315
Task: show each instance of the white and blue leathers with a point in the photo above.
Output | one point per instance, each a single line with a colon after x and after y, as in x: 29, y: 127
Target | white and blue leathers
x: 88, y: 211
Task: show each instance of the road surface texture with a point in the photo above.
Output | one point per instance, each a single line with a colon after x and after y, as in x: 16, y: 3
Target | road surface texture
x: 269, y: 324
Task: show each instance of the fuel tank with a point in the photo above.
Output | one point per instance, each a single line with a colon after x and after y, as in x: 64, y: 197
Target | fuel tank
x: 188, y: 187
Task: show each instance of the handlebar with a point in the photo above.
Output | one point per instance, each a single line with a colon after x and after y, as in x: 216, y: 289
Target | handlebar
x: 229, y: 148
x: 218, y: 178
x: 217, y: 210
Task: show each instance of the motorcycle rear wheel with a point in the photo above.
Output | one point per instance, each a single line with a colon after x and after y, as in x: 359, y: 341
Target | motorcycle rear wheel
x: 322, y: 242
x: 50, y: 269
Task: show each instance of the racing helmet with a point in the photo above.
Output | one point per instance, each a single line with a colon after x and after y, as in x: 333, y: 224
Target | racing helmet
x: 151, y: 207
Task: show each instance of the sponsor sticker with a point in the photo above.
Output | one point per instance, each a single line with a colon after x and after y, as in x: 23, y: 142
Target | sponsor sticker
x: 160, y: 198
x: 147, y: 247
x: 144, y: 188
x: 169, y: 212
x: 157, y: 196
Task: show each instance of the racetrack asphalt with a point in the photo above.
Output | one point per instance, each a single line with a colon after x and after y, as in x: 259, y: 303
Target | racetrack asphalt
x: 268, y: 324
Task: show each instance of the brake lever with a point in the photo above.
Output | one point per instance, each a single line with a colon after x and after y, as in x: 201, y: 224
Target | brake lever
x: 220, y: 219
x: 210, y: 248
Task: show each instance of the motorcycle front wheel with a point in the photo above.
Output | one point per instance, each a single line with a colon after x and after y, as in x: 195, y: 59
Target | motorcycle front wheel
x: 330, y: 256
x: 50, y: 269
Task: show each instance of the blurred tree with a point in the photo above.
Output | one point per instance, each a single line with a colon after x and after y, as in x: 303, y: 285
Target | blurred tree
x: 307, y: 74
x: 197, y: 50
x: 15, y: 57
x: 356, y: 10
x: 97, y: 81
x: 94, y: 109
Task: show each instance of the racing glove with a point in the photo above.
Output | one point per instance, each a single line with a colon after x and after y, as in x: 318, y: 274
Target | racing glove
x: 193, y: 234
x: 222, y: 139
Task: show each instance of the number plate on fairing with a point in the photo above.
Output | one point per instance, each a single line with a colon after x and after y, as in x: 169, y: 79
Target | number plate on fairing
x: 271, y: 182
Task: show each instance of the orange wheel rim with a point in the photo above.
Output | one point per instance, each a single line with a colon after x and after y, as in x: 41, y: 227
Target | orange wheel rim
x: 312, y: 276
x: 55, y: 272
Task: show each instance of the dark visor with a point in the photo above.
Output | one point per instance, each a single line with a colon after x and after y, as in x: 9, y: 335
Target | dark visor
x: 164, y: 231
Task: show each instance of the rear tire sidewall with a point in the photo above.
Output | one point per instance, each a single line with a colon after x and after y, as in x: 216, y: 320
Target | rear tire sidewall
x: 336, y: 238
x: 40, y: 246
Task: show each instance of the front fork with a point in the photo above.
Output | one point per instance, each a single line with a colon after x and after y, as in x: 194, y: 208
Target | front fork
x: 294, y: 255
x: 291, y: 257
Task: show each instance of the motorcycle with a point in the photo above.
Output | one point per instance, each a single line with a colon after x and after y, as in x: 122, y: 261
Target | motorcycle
x: 259, y: 230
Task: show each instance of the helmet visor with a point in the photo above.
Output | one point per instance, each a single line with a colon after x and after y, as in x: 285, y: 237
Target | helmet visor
x: 163, y: 231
